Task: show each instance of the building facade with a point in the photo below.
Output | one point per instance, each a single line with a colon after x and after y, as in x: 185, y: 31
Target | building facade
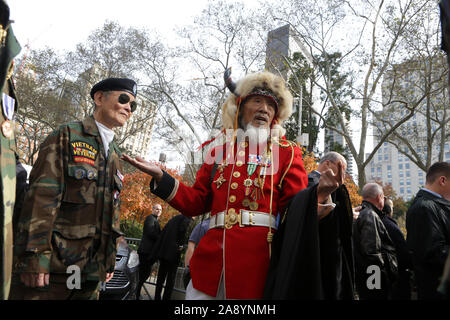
x: 421, y: 87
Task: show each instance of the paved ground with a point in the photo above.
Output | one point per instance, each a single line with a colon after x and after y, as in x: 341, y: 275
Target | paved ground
x: 176, y: 295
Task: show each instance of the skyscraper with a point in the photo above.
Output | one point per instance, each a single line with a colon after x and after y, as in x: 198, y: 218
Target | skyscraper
x: 419, y: 85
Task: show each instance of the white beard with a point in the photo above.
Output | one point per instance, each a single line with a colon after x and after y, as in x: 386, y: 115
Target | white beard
x: 256, y: 135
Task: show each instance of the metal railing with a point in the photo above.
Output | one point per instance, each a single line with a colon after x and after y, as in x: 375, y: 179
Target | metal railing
x: 179, y: 284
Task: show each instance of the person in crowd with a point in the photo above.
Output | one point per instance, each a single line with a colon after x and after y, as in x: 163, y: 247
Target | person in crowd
x: 313, y: 259
x: 375, y: 254
x: 150, y: 235
x: 67, y: 230
x: 245, y: 182
x: 168, y: 250
x: 197, y: 233
x: 9, y: 49
x: 428, y: 230
x: 401, y: 289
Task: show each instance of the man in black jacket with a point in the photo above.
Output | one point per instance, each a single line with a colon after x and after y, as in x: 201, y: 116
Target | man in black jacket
x: 428, y: 230
x: 167, y: 251
x: 401, y: 289
x: 375, y: 255
x: 150, y: 235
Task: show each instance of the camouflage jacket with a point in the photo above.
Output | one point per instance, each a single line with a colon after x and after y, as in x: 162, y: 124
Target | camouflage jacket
x: 9, y: 49
x: 70, y: 215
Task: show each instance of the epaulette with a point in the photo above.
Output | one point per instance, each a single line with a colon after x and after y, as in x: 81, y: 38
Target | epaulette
x: 285, y: 143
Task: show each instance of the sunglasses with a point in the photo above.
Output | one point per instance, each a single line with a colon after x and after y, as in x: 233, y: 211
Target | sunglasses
x: 124, y: 99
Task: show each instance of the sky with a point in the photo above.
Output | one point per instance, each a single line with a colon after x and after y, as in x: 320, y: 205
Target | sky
x: 61, y: 24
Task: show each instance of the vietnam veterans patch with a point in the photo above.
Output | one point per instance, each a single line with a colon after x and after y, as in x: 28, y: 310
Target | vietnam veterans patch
x: 83, y: 152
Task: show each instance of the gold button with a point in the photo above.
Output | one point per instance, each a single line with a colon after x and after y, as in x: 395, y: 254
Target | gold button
x: 242, y: 153
x: 239, y: 163
x: 244, y: 144
x: 236, y: 174
x: 254, y: 205
x: 232, y: 198
x: 234, y: 185
x: 231, y: 211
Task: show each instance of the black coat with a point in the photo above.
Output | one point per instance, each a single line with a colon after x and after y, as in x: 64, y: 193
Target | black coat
x: 402, y: 288
x: 21, y: 190
x: 373, y: 247
x: 151, y: 233
x: 172, y: 237
x: 312, y: 259
x: 428, y: 238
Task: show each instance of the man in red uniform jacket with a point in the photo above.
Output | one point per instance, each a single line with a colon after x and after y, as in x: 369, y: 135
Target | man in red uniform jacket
x: 245, y: 182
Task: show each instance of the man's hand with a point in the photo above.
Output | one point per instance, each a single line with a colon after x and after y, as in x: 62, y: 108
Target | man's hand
x: 109, y: 276
x: 356, y: 212
x: 329, y: 181
x: 145, y: 166
x: 33, y: 280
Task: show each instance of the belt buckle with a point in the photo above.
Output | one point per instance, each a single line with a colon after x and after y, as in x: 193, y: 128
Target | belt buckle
x: 231, y: 219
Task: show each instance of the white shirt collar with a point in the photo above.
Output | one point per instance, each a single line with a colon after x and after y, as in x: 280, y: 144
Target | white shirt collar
x: 106, y: 134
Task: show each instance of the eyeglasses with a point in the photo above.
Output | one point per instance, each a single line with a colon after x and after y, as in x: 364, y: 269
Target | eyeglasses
x: 124, y: 99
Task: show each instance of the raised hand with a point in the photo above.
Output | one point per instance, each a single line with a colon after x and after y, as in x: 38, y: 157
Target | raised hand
x: 329, y: 181
x: 144, y: 166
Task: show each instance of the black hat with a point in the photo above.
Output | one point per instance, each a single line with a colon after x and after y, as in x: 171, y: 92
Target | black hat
x: 115, y: 84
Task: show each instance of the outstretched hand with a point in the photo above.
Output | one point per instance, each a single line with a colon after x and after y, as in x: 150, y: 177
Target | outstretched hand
x: 329, y: 181
x: 145, y: 166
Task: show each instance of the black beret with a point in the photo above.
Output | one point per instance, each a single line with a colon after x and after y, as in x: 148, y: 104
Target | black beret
x: 115, y: 84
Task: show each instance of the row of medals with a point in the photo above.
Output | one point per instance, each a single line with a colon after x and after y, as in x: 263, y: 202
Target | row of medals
x: 252, y: 195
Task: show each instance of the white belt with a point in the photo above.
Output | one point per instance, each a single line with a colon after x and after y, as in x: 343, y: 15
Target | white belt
x: 244, y: 218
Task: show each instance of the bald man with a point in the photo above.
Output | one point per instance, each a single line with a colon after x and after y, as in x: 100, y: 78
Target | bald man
x: 375, y: 255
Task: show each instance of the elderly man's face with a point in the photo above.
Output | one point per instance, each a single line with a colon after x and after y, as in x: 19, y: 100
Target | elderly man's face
x: 334, y: 166
x: 258, y: 111
x: 109, y: 111
x: 157, y: 210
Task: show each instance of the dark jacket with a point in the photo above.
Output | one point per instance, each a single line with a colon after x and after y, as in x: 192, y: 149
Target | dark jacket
x: 173, y: 236
x: 312, y: 259
x: 402, y: 289
x: 313, y: 178
x: 428, y: 238
x: 21, y: 190
x: 152, y: 230
x: 373, y: 246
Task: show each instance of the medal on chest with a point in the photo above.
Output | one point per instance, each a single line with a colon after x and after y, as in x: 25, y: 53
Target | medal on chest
x: 220, y: 180
x: 252, y: 163
x: 254, y: 187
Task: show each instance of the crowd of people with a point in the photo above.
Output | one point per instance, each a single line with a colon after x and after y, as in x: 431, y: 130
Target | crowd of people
x: 274, y: 232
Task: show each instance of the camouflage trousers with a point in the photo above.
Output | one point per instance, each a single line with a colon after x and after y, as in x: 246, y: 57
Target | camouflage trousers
x: 56, y: 290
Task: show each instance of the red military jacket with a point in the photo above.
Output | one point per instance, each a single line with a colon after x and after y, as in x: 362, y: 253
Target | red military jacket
x: 240, y: 253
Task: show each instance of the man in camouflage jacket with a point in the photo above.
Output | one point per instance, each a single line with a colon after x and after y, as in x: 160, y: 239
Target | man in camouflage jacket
x: 9, y: 49
x: 70, y: 215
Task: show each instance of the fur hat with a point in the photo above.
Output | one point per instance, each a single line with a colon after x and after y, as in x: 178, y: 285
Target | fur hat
x: 267, y: 82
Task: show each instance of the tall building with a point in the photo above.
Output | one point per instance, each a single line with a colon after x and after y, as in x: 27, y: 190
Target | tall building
x: 389, y: 165
x: 282, y: 45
